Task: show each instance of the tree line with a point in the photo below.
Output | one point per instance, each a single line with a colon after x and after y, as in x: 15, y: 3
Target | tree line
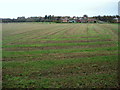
x: 48, y: 18
x: 52, y: 18
x: 109, y: 19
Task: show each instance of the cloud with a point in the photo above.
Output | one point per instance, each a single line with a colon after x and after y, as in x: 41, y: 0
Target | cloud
x: 55, y: 1
x: 15, y: 8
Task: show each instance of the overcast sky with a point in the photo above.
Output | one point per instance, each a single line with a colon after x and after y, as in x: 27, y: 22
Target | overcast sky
x: 28, y: 8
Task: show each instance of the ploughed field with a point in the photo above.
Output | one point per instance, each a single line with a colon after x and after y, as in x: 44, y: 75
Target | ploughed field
x: 44, y: 55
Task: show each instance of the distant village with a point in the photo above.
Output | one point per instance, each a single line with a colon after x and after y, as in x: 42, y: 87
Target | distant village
x: 66, y: 19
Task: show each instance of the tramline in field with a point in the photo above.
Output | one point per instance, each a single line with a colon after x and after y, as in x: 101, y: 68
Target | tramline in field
x: 60, y: 55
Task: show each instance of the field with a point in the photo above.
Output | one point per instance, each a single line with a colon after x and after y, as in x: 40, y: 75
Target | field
x: 44, y: 55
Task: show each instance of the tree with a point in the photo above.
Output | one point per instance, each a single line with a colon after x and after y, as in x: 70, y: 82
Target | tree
x: 46, y: 17
x: 86, y: 16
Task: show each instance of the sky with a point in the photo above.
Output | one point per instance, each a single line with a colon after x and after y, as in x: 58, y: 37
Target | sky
x: 28, y: 8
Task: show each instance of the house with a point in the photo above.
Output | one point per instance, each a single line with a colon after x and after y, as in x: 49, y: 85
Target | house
x: 91, y: 20
x: 68, y: 19
x: 64, y: 19
x: 83, y: 20
x: 86, y: 19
